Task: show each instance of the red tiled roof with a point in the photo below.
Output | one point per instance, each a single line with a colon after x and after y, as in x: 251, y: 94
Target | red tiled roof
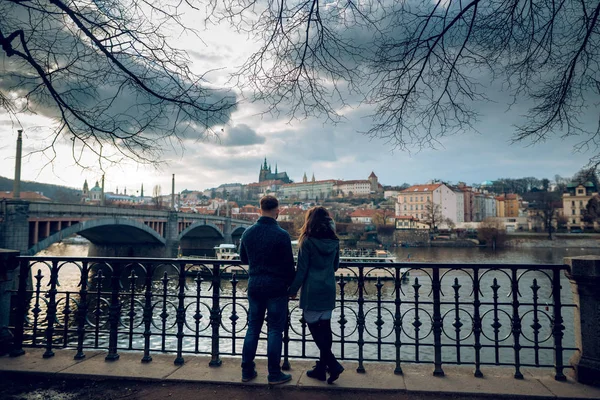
x: 364, y: 213
x: 422, y: 188
x: 34, y: 196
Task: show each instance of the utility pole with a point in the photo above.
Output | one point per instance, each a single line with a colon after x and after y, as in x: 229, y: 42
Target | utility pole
x: 17, y: 181
x: 102, y: 203
x: 173, y: 192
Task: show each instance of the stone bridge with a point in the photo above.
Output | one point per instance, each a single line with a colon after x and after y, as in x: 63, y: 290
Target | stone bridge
x: 114, y: 231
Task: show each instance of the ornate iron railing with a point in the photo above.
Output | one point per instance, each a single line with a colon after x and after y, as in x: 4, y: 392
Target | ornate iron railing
x: 478, y: 314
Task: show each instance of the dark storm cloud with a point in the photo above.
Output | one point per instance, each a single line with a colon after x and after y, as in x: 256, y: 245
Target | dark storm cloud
x: 99, y: 90
x: 240, y: 135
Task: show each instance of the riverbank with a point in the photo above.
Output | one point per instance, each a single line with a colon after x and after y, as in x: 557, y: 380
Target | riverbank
x: 536, y: 240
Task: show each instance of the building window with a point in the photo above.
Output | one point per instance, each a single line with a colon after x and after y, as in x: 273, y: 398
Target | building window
x: 572, y: 203
x: 574, y: 222
x: 573, y: 212
x: 421, y: 206
x: 405, y: 207
x: 411, y: 207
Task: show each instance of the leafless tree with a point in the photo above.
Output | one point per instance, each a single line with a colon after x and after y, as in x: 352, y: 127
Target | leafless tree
x: 492, y: 232
x: 105, y: 72
x: 432, y: 215
x: 544, y: 206
x: 426, y: 63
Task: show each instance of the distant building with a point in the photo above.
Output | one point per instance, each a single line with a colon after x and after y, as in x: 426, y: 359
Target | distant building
x: 405, y: 222
x: 290, y: 213
x: 308, y: 190
x: 265, y: 174
x: 361, y: 216
x: 468, y: 201
x: 364, y: 187
x: 507, y: 205
x: 413, y: 200
x: 575, y: 201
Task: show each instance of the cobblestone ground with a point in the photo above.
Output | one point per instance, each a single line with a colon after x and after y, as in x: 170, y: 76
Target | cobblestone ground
x: 30, y: 387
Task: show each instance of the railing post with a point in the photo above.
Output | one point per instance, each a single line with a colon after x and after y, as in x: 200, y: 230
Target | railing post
x: 9, y: 264
x: 215, y: 316
x: 180, y: 318
x: 361, y: 319
x: 114, y: 314
x: 147, y: 317
x: 584, y: 275
x: 82, y: 310
x: 477, y: 324
x: 51, y: 317
x: 437, y: 323
x: 398, y: 320
x: 558, y: 327
x: 516, y: 324
x: 286, y: 343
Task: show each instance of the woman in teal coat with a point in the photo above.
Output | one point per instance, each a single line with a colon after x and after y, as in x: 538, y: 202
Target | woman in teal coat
x: 318, y: 259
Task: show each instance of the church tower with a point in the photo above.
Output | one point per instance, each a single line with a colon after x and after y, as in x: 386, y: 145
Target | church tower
x: 374, y: 182
x: 264, y: 172
x: 85, y: 193
x: 304, y: 178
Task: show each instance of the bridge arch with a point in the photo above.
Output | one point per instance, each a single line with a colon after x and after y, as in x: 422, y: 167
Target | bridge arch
x: 200, y: 239
x: 105, y: 231
x: 236, y: 234
x: 201, y: 229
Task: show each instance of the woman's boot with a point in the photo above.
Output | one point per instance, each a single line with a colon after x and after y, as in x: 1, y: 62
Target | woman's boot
x: 319, y: 370
x: 333, y: 366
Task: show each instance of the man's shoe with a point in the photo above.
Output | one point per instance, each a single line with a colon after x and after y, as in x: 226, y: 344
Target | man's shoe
x: 318, y: 371
x: 248, y: 376
x: 334, y: 372
x: 281, y: 378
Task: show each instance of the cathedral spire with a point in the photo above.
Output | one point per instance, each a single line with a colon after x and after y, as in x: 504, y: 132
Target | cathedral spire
x: 304, y: 178
x: 313, y: 177
x: 265, y: 164
x: 275, y: 167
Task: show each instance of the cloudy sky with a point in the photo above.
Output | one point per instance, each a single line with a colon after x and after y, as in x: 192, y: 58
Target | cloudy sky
x: 311, y: 145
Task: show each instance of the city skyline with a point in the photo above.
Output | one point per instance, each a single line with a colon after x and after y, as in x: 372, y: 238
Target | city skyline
x: 336, y: 151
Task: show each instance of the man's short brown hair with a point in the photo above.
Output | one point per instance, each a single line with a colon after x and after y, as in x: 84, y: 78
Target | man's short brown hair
x: 268, y: 203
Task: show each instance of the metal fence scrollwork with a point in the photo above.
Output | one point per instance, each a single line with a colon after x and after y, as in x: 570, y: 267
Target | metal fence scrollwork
x: 469, y: 314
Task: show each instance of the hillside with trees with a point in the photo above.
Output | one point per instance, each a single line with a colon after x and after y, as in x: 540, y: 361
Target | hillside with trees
x: 57, y: 193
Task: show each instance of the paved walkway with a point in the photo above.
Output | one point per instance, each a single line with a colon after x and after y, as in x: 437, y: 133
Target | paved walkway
x: 417, y: 380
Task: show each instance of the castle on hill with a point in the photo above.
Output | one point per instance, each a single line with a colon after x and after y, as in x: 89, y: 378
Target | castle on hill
x: 266, y: 174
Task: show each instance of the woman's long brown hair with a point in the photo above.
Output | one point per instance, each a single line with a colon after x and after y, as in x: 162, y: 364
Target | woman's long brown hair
x: 316, y: 218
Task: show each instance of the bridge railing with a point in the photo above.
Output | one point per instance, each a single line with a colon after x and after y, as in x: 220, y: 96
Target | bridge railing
x: 440, y: 314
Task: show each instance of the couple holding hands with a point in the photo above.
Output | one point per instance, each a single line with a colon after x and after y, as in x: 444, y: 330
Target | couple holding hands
x: 267, y: 250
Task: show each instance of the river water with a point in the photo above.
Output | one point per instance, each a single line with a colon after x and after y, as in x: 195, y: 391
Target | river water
x: 383, y: 311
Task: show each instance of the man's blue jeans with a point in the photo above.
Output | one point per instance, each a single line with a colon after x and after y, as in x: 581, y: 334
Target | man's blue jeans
x: 276, y: 309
